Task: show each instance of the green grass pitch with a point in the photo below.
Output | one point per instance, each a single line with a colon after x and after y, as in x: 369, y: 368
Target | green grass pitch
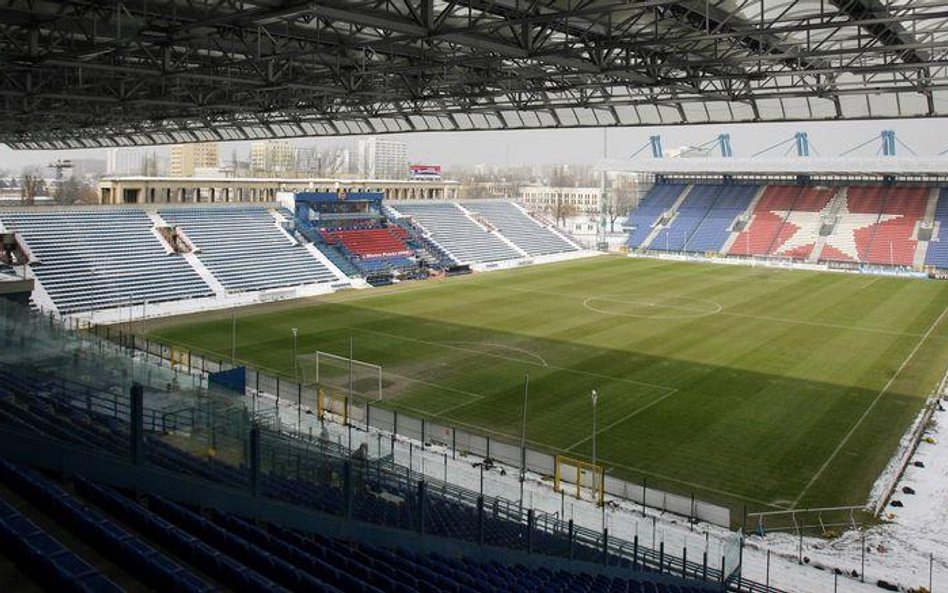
x: 767, y: 388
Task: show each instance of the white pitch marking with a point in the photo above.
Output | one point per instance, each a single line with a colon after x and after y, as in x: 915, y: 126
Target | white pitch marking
x: 504, y: 346
x: 872, y: 405
x: 624, y: 418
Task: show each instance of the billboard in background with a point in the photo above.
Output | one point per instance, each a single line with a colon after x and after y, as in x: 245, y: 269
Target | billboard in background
x: 424, y: 171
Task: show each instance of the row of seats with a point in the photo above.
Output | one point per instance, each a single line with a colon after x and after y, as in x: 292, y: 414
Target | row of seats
x: 366, y: 243
x: 245, y: 250
x: 866, y: 224
x: 937, y: 254
x: 520, y: 228
x: 102, y: 258
x: 656, y: 202
x: 103, y: 534
x: 248, y: 556
x: 456, y: 233
x: 45, y: 559
x: 704, y: 218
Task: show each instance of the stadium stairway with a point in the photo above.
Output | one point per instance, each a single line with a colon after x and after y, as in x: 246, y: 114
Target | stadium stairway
x: 937, y: 254
x: 661, y: 198
x: 91, y: 259
x: 690, y: 213
x: 767, y: 220
x: 520, y: 228
x: 491, y: 228
x: 894, y: 240
x: 714, y: 228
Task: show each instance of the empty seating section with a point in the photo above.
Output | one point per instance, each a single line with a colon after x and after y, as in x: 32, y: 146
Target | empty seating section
x: 102, y: 258
x: 375, y: 242
x: 766, y: 221
x: 249, y: 556
x: 521, y: 228
x: 45, y: 559
x: 800, y: 231
x: 713, y: 231
x: 937, y: 254
x: 867, y: 224
x: 894, y: 240
x: 244, y: 249
x: 692, y: 211
x: 100, y: 532
x: 853, y: 233
x: 450, y: 228
x: 373, y: 250
x: 656, y: 202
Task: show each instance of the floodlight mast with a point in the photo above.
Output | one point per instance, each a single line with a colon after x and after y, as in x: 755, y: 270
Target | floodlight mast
x: 296, y: 373
x: 595, y: 400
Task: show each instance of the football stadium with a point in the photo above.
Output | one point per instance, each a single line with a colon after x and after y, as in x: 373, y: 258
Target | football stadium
x: 211, y: 382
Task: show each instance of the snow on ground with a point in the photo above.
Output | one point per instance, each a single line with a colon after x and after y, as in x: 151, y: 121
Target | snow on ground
x: 899, y: 549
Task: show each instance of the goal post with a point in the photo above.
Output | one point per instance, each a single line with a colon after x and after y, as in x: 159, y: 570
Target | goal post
x: 340, y: 374
x: 580, y: 478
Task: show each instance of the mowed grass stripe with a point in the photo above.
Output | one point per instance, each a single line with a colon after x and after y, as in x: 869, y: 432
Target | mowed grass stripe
x: 759, y: 403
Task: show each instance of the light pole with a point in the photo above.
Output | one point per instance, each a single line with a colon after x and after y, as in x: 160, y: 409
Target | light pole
x: 296, y: 374
x: 296, y: 377
x: 595, y: 400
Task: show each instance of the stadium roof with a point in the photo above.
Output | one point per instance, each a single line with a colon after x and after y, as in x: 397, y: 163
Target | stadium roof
x: 824, y: 166
x: 84, y: 74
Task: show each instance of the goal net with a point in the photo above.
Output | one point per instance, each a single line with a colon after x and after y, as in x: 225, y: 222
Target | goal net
x: 579, y: 478
x: 338, y: 374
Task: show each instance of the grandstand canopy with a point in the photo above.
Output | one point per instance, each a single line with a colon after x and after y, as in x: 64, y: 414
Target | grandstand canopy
x: 844, y: 167
x: 81, y: 74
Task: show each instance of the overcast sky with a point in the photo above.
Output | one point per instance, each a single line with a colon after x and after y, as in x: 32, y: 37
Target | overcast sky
x: 926, y: 137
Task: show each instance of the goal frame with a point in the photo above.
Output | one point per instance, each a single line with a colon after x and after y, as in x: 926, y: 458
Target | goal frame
x: 320, y: 356
x: 576, y: 479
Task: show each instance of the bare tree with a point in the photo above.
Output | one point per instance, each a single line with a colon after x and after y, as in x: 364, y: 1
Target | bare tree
x: 31, y: 185
x: 561, y: 209
x: 76, y: 191
x: 621, y: 200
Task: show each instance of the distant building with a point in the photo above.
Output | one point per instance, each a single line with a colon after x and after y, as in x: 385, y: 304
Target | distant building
x: 88, y: 167
x: 272, y: 157
x: 187, y: 158
x: 131, y: 161
x: 546, y: 199
x: 382, y: 158
x: 309, y: 161
x: 180, y: 190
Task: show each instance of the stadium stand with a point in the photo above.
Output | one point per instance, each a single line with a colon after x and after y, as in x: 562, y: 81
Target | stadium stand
x: 856, y: 224
x: 674, y: 236
x: 373, y: 250
x: 713, y: 231
x: 656, y: 202
x: 244, y: 249
x: 521, y: 228
x: 45, y: 560
x: 167, y: 545
x: 456, y: 233
x: 937, y: 254
x: 99, y: 258
x: 893, y: 240
x: 766, y: 222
